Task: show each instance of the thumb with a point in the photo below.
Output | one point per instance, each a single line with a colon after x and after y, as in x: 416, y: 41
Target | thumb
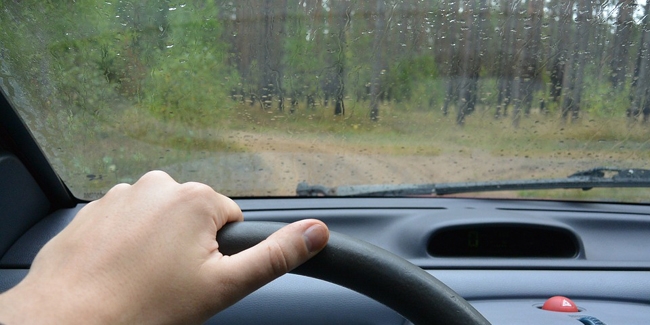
x: 280, y: 253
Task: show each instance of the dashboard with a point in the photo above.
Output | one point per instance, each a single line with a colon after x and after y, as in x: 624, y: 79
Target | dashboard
x: 596, y: 255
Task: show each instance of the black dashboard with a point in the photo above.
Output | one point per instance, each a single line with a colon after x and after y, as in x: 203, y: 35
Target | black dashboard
x: 493, y: 255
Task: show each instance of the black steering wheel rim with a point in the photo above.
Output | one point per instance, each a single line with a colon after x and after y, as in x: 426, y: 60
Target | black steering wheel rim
x: 369, y: 270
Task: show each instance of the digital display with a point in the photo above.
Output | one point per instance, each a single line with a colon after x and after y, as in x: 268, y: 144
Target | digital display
x: 503, y: 240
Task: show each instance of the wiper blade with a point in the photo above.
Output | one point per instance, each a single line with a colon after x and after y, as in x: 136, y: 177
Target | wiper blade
x: 585, y: 180
x: 305, y: 189
x: 601, y: 177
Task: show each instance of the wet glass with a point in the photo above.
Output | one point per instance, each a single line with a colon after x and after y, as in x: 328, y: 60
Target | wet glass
x: 254, y: 97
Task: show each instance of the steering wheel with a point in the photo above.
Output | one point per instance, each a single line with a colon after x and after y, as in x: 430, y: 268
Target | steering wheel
x: 369, y: 270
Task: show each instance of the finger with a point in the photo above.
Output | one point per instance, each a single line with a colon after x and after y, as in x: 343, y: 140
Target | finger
x: 119, y: 188
x: 281, y: 252
x: 152, y: 184
x: 222, y: 209
x: 156, y: 176
x: 115, y: 191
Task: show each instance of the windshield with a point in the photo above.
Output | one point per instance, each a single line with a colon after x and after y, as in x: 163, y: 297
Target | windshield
x: 254, y: 97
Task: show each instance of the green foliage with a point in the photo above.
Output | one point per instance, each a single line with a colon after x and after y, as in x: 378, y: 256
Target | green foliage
x: 603, y: 101
x: 191, y: 77
x: 300, y: 48
x: 178, y: 61
x: 406, y: 75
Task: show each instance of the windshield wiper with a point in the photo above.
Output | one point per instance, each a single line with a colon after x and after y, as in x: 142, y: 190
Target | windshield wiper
x: 586, y: 180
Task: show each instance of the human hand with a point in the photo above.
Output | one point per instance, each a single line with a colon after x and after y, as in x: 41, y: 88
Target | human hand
x: 147, y: 253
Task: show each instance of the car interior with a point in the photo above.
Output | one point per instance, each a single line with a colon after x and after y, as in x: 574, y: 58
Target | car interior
x: 412, y: 257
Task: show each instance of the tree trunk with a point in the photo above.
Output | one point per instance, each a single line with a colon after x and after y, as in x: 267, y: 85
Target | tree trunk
x: 506, y: 58
x: 624, y: 25
x: 451, y: 54
x: 469, y: 62
x: 574, y: 73
x: 562, y: 55
x: 639, y: 100
x: 378, y: 62
x: 274, y: 15
x: 342, y: 20
x: 529, y: 76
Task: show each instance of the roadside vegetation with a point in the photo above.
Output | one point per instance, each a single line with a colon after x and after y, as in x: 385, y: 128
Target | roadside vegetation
x: 132, y: 86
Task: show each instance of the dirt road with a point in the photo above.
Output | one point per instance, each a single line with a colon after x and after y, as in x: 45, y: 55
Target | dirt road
x: 274, y: 166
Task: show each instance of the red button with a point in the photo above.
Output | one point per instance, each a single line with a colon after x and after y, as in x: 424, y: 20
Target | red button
x: 561, y: 304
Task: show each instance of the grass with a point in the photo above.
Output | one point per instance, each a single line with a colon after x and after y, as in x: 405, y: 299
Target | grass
x: 430, y: 133
x: 118, y: 146
x: 601, y: 195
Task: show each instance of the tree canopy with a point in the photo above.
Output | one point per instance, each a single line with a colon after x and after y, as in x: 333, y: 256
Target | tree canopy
x: 180, y: 60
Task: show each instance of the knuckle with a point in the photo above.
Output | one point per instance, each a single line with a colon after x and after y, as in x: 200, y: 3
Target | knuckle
x: 278, y: 259
x: 155, y: 175
x: 119, y: 188
x: 201, y: 196
x: 197, y: 190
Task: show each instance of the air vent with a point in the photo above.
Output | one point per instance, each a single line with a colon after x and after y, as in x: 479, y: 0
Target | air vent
x: 504, y: 241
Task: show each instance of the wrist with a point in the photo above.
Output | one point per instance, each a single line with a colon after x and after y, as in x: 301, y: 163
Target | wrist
x: 31, y: 303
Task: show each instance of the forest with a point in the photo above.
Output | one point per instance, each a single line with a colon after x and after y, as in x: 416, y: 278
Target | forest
x: 182, y: 59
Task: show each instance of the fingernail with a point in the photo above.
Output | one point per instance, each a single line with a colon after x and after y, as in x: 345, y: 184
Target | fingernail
x: 315, y: 237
